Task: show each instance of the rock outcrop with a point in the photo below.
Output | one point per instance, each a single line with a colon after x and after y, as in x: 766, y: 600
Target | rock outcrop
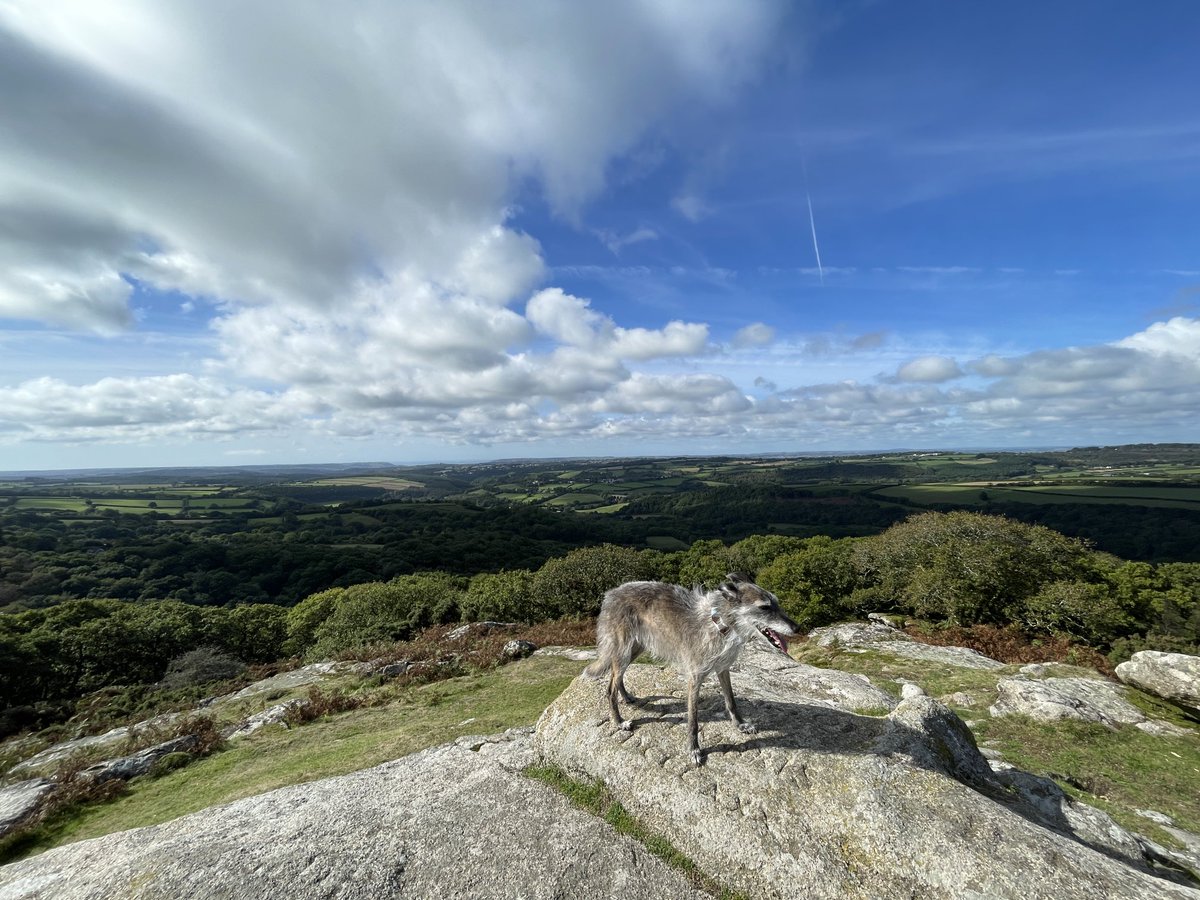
x: 1172, y: 676
x: 458, y: 821
x: 1084, y: 699
x: 843, y: 792
x: 858, y: 636
x: 822, y: 802
x: 20, y: 801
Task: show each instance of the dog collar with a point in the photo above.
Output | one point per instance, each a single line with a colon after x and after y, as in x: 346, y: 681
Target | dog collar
x: 721, y: 627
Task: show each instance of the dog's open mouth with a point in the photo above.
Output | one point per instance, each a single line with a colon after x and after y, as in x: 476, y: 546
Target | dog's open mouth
x: 778, y: 641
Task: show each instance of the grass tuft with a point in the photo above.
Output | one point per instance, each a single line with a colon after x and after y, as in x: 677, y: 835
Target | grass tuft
x: 595, y: 797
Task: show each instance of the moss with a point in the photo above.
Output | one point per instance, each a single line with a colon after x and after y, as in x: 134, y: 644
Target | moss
x: 595, y: 797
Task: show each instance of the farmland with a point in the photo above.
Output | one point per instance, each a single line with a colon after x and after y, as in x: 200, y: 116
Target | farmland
x: 279, y: 534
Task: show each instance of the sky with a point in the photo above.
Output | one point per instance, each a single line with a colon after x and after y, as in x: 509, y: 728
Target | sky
x: 248, y: 233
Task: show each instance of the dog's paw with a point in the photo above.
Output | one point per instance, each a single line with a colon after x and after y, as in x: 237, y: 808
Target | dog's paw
x: 747, y: 728
x: 697, y: 758
x: 627, y: 725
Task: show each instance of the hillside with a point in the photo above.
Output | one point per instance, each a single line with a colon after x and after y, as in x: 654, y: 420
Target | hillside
x: 858, y: 776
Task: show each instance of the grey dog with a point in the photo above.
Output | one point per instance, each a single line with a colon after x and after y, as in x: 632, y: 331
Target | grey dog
x: 698, y: 632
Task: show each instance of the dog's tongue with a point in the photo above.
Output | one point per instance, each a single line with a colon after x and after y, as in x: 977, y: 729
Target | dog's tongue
x: 779, y: 637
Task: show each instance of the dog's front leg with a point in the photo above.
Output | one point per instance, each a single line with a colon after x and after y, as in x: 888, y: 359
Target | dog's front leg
x: 693, y: 718
x: 731, y: 704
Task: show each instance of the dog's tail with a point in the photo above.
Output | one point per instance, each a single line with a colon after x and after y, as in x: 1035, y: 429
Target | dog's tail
x: 596, y: 669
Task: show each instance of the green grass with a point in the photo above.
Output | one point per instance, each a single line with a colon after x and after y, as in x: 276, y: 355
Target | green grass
x: 569, y: 499
x: 1164, y: 496
x: 883, y: 669
x: 417, y: 718
x: 595, y: 798
x: 1117, y: 770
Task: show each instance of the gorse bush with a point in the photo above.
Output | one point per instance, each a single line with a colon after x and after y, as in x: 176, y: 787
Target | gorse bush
x: 966, y: 568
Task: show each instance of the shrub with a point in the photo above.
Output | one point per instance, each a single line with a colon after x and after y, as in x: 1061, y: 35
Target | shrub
x: 1078, y: 608
x: 387, y: 612
x: 965, y: 567
x: 500, y: 596
x: 201, y: 666
x: 573, y: 585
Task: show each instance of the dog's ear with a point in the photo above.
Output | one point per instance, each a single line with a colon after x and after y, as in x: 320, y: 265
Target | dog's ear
x: 731, y: 588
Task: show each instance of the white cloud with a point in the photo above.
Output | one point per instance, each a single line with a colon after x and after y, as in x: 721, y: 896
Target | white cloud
x: 291, y: 157
x: 333, y: 187
x: 929, y: 368
x: 570, y: 320
x: 756, y: 334
x: 617, y: 242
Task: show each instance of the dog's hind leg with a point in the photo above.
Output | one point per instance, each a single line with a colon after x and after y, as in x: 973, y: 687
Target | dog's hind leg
x: 615, y: 687
x: 693, y: 708
x: 634, y: 652
x: 731, y: 704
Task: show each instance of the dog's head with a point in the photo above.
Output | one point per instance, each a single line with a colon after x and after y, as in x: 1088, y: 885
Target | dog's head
x: 756, y: 606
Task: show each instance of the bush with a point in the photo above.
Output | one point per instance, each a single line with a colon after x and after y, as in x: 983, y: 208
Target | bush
x: 307, y: 616
x: 574, y: 585
x: 500, y: 597
x: 1078, y: 608
x: 965, y: 567
x: 815, y: 584
x: 387, y: 612
x: 201, y: 666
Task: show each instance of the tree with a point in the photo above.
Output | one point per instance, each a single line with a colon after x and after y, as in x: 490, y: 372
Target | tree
x: 814, y: 583
x: 966, y: 567
x: 1085, y: 610
x: 574, y: 585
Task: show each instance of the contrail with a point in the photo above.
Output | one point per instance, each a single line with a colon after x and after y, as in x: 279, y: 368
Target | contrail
x: 812, y: 224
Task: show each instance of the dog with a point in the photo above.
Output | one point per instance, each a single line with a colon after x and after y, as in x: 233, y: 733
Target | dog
x: 699, y: 633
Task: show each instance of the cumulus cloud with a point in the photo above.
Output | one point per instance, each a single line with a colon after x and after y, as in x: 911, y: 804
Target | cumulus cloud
x: 570, y: 320
x: 298, y: 154
x: 334, y: 188
x: 929, y: 368
x: 756, y: 334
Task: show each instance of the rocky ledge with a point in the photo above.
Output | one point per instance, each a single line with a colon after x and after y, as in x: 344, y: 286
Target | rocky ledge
x: 843, y: 792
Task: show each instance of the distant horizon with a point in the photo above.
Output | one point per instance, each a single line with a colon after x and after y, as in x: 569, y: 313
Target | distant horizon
x: 604, y: 456
x: 456, y: 231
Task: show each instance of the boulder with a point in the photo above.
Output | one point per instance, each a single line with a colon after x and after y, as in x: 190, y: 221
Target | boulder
x: 1085, y: 699
x: 579, y: 654
x: 458, y: 821
x: 1172, y: 676
x: 477, y: 629
x: 855, y: 634
x: 393, y: 670
x: 93, y: 745
x: 822, y: 802
x: 313, y: 673
x: 273, y: 715
x: 20, y: 802
x: 519, y: 649
x: 126, y: 767
x: 885, y: 639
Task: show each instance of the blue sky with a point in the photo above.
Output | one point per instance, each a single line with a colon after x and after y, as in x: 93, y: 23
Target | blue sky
x: 449, y: 231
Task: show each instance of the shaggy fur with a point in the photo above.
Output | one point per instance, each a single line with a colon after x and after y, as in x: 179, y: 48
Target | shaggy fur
x: 699, y: 633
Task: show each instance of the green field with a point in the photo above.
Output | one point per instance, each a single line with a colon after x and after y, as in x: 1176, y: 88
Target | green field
x: 1163, y: 496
